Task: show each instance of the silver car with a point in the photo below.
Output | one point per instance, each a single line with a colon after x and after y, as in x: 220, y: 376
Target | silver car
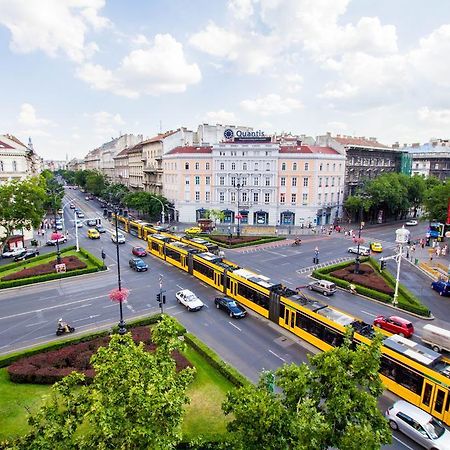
x: 417, y: 424
x: 363, y: 251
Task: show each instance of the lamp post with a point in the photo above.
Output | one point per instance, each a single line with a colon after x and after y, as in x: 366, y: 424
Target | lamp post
x: 238, y: 187
x: 361, y: 224
x: 58, y: 253
x: 401, y: 238
x: 162, y: 209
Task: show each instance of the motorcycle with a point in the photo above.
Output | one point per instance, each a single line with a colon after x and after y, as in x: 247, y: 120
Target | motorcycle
x: 296, y: 242
x: 64, y: 329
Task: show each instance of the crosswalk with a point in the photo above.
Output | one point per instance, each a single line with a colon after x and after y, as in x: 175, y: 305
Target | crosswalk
x: 309, y: 269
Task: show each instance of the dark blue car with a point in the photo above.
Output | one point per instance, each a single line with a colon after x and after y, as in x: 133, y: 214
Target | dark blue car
x: 442, y: 287
x: 232, y: 308
x: 138, y: 265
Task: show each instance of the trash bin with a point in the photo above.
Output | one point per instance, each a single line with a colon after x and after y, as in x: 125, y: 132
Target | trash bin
x: 416, y: 261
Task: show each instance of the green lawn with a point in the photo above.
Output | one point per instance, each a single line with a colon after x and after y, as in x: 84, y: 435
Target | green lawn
x: 204, y: 416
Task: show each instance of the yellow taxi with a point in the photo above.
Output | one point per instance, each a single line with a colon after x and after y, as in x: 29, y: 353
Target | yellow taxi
x: 376, y: 247
x: 193, y: 230
x: 93, y: 234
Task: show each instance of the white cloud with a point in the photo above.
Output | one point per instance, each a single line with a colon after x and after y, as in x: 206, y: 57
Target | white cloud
x: 140, y: 40
x: 161, y: 68
x: 434, y: 116
x: 270, y: 105
x: 28, y: 118
x: 221, y: 116
x: 105, y: 124
x: 241, y: 9
x: 52, y: 26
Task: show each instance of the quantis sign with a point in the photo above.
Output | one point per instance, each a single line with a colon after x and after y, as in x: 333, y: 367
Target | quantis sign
x: 245, y: 136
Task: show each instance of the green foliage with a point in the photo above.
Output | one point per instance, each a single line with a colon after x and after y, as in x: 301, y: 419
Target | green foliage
x: 136, y: 399
x: 215, y: 214
x: 21, y: 204
x: 330, y: 403
x: 115, y: 192
x: 436, y: 202
x: 95, y: 183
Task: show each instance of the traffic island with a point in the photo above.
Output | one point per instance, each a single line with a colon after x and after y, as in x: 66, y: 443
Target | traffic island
x: 233, y: 241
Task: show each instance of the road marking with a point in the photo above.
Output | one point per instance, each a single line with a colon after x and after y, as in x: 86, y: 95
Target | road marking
x: 87, y: 318
x: 36, y: 323
x: 287, y: 282
x: 178, y: 286
x: 278, y: 356
x: 233, y: 325
x: 109, y: 306
x: 130, y: 307
x: 368, y: 313
x: 401, y: 442
x: 51, y: 307
x: 78, y: 307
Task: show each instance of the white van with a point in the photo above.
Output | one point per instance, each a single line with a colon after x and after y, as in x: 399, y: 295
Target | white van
x: 436, y: 337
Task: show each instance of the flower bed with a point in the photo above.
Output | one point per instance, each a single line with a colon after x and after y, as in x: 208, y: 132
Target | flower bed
x: 241, y: 241
x: 71, y: 262
x: 366, y: 277
x: 52, y: 366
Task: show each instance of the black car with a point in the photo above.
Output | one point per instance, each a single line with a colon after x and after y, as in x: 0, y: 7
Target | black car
x: 138, y: 265
x: 26, y: 254
x: 232, y: 308
x: 100, y: 228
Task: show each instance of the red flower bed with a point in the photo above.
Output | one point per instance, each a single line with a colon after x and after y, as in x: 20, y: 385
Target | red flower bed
x: 366, y: 277
x: 52, y: 366
x: 234, y: 240
x: 71, y: 262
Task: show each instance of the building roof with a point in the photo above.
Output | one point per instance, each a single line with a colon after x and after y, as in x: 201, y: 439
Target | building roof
x: 123, y: 153
x: 8, y: 141
x: 308, y: 149
x: 159, y: 137
x: 359, y: 141
x: 190, y: 150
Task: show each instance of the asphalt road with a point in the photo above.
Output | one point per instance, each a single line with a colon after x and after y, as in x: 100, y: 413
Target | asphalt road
x: 28, y: 315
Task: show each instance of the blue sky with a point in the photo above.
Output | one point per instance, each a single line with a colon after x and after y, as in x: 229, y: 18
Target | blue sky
x: 76, y: 73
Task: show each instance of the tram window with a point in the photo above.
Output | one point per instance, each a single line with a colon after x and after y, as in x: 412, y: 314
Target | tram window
x: 401, y: 375
x: 222, y: 279
x: 204, y: 270
x: 332, y: 338
x: 173, y: 254
x: 282, y: 312
x: 447, y: 408
x: 253, y: 295
x: 439, y: 404
x: 427, y: 394
x: 134, y: 230
x: 155, y: 246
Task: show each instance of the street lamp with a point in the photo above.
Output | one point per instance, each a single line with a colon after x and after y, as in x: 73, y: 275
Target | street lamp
x: 361, y: 224
x: 162, y: 209
x: 401, y: 238
x: 58, y: 253
x: 238, y: 187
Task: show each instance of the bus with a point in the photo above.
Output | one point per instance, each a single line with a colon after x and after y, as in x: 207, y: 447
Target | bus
x: 436, y: 230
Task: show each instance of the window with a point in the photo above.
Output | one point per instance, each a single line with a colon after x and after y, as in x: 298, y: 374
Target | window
x: 187, y: 181
x: 332, y: 197
x: 233, y: 166
x: 283, y: 181
x: 282, y: 198
x: 305, y: 199
x: 267, y: 181
x: 186, y: 165
x: 1, y: 166
x: 326, y: 197
x: 233, y: 197
x: 256, y: 166
x: 207, y: 166
x: 222, y: 166
x: 305, y: 182
x: 328, y: 167
x: 267, y: 166
x: 197, y: 180
x: 244, y: 197
x: 197, y: 196
x: 294, y: 181
x: 320, y: 181
x: 283, y: 166
x: 321, y: 167
x: 255, y: 197
x: 326, y: 181
x: 293, y: 198
x: 256, y: 181
x: 334, y: 167
x: 306, y: 167
x: 332, y: 181
x: 197, y: 166
x: 221, y: 197
x: 207, y: 196
x: 244, y: 181
x: 221, y: 181
x: 208, y: 180
x: 319, y: 199
x: 244, y: 166
x: 266, y: 197
x: 294, y: 166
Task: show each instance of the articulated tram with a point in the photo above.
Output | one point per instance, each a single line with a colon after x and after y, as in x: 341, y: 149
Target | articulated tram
x: 410, y: 370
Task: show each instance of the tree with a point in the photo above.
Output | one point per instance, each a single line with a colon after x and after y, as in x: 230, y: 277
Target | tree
x: 136, y: 399
x: 330, y: 403
x: 436, y: 202
x: 95, y: 183
x: 22, y: 204
x: 215, y: 214
x: 416, y: 187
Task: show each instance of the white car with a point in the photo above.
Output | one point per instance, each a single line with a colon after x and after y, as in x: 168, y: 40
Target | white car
x: 189, y: 299
x: 61, y: 240
x: 79, y: 224
x: 363, y: 251
x: 119, y: 240
x: 411, y: 223
x: 13, y: 253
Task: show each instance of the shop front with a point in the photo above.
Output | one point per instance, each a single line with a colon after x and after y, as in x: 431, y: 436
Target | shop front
x: 228, y: 216
x: 261, y: 218
x: 287, y: 218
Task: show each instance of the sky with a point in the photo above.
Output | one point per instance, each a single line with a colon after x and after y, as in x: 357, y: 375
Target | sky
x: 76, y: 73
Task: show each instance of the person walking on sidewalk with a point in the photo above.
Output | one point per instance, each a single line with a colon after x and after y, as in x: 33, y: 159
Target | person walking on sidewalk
x: 444, y: 250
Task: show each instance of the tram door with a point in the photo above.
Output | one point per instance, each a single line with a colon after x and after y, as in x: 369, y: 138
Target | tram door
x: 217, y: 280
x: 233, y: 287
x: 289, y: 318
x: 434, y: 398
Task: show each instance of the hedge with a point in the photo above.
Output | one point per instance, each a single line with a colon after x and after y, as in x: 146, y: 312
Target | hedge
x: 230, y: 373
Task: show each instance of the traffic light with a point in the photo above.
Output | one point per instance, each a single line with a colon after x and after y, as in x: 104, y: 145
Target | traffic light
x: 164, y: 299
x: 158, y: 298
x: 382, y: 265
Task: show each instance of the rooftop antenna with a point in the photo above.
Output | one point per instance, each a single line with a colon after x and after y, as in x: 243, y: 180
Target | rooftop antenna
x: 160, y: 127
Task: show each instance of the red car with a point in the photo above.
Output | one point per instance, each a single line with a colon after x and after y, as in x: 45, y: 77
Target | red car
x: 139, y: 251
x: 395, y: 324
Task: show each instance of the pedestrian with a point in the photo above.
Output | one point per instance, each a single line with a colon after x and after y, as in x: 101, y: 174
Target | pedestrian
x: 422, y: 243
x: 407, y: 251
x: 444, y: 250
x: 67, y: 233
x: 438, y: 250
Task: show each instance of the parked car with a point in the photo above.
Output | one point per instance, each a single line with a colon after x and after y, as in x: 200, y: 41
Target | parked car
x: 376, y: 247
x: 418, y: 425
x: 363, y: 251
x: 411, y: 223
x: 100, y: 228
x: 442, y: 287
x: 119, y: 239
x: 12, y: 253
x: 60, y: 240
x: 139, y: 251
x: 59, y: 225
x: 193, y: 230
x: 232, y: 308
x: 87, y: 197
x: 138, y: 265
x: 27, y: 254
x: 80, y: 214
x: 395, y: 324
x: 189, y: 299
x: 323, y: 286
x: 93, y: 234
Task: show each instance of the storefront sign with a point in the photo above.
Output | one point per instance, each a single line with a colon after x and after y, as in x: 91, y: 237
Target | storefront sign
x: 242, y: 136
